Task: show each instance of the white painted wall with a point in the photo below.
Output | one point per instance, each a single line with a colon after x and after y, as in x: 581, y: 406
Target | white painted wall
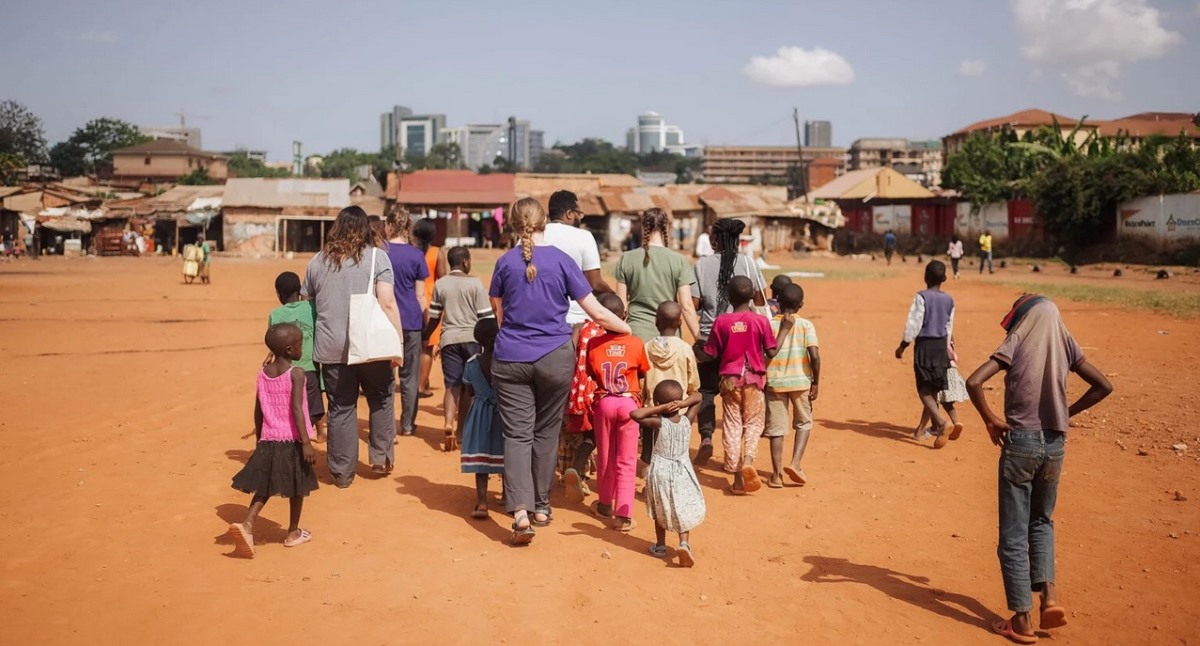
x: 1164, y: 218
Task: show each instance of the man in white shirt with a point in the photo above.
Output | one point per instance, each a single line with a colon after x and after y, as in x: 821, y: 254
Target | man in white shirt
x: 703, y: 245
x: 563, y: 232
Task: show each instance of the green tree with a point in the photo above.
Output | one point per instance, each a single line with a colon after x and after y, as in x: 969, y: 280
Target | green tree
x: 21, y: 133
x: 240, y: 165
x: 10, y: 165
x: 504, y: 165
x: 89, y: 150
x: 198, y: 177
x: 444, y: 156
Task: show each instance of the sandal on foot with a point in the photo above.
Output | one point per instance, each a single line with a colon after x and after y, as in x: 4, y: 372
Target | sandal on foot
x: 795, y: 475
x: 956, y: 431
x: 541, y: 523
x: 480, y: 511
x: 735, y: 490
x: 304, y: 537
x: 1052, y: 617
x: 686, y: 558
x: 704, y: 453
x: 598, y: 510
x: 522, y: 535
x: 624, y: 525
x: 1005, y: 629
x: 243, y: 541
x: 574, y: 484
x: 658, y: 550
x: 751, y: 480
x: 774, y: 484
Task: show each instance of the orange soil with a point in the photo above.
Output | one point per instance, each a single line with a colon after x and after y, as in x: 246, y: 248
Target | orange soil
x: 127, y: 407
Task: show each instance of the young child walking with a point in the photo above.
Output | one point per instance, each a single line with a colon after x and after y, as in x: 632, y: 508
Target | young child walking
x: 673, y: 496
x: 282, y: 462
x: 930, y: 325
x: 478, y: 419
x: 459, y: 302
x: 617, y: 362
x: 670, y: 358
x: 793, y: 376
x: 739, y: 340
x: 299, y: 312
x: 578, y: 439
x: 955, y: 392
x: 1037, y: 354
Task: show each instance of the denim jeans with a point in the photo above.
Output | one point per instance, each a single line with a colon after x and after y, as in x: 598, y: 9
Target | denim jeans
x: 1030, y: 466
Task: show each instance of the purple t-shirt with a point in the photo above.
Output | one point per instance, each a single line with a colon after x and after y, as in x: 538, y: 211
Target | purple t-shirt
x: 409, y: 268
x: 534, y: 316
x: 738, y: 340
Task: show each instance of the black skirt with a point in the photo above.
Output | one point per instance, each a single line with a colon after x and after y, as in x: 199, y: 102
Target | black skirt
x: 276, y: 469
x: 931, y: 360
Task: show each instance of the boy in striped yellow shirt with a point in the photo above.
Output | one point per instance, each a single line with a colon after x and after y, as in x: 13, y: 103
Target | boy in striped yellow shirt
x: 792, y: 378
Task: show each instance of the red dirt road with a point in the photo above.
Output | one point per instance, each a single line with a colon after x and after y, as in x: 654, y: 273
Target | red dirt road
x: 126, y: 406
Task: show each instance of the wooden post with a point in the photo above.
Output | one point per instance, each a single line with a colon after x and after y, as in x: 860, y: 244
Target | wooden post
x: 284, y: 223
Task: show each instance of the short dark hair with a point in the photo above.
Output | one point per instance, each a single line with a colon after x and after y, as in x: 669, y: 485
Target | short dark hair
x: 741, y: 290
x: 667, y: 390
x: 486, y: 330
x: 287, y: 283
x: 278, y: 336
x: 423, y: 233
x: 791, y: 297
x: 779, y: 282
x: 613, y: 303
x: 935, y: 273
x: 457, y: 256
x: 561, y: 202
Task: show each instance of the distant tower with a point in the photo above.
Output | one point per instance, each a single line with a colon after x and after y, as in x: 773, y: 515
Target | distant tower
x: 297, y: 160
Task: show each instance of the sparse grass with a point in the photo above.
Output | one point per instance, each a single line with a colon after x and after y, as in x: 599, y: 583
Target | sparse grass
x: 1178, y: 304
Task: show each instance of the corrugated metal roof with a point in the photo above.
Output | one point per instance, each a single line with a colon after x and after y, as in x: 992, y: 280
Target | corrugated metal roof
x: 625, y: 200
x: 871, y: 183
x: 165, y: 147
x: 451, y: 187
x: 277, y: 193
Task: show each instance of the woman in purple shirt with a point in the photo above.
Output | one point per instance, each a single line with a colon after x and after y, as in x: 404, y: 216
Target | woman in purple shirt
x: 531, y: 290
x: 410, y: 272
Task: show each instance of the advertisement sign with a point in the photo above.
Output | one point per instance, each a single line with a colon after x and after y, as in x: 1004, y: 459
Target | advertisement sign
x: 1163, y: 218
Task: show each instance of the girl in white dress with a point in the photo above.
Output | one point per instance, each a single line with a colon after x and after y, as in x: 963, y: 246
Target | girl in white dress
x: 673, y: 495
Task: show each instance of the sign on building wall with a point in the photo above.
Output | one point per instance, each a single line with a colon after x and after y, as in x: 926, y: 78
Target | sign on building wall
x: 992, y: 217
x: 892, y: 217
x: 1164, y: 218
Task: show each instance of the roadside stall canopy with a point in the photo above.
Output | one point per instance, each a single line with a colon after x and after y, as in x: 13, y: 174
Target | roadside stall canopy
x: 202, y: 210
x: 67, y: 224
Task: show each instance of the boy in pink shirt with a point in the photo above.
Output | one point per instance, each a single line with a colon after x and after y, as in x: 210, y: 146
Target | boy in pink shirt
x: 742, y: 341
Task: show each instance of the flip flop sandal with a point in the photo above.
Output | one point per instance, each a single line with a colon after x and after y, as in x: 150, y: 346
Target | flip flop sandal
x: 686, y: 558
x: 750, y: 477
x: 244, y: 542
x: 541, y: 523
x: 704, y: 454
x: 956, y: 431
x: 795, y: 475
x: 304, y: 537
x: 1052, y: 617
x: 737, y: 492
x: 1005, y: 629
x: 479, y: 512
x: 574, y: 485
x: 625, y: 525
x: 598, y: 510
x: 775, y: 485
x: 658, y: 551
x: 522, y: 535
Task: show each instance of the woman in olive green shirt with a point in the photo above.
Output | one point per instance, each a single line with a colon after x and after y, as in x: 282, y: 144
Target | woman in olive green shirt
x: 652, y: 274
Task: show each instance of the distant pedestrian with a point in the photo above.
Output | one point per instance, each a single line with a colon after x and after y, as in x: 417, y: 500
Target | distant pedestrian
x: 956, y: 253
x: 985, y: 251
x: 930, y: 325
x: 889, y: 246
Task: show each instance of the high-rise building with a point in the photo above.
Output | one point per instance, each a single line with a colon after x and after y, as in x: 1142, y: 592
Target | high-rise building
x: 818, y: 134
x: 389, y: 125
x: 479, y: 143
x: 418, y: 133
x: 537, y: 146
x: 652, y: 134
x: 920, y: 161
x: 762, y: 164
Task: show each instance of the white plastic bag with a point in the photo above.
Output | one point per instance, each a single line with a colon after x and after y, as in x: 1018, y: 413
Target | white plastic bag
x: 372, y: 335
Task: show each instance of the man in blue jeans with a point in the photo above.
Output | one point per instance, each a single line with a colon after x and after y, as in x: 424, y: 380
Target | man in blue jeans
x: 1037, y: 355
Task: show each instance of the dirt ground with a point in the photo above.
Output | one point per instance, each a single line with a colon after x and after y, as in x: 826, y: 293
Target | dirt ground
x: 127, y: 401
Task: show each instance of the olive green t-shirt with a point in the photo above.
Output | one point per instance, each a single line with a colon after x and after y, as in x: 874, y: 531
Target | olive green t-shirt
x: 650, y: 285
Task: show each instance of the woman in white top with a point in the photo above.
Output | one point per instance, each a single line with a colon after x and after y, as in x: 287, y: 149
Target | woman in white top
x: 955, y: 252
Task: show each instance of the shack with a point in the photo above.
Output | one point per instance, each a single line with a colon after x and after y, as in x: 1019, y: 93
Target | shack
x: 267, y: 216
x: 468, y: 209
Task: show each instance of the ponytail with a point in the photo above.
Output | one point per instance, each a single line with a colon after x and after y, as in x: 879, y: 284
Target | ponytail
x: 527, y: 217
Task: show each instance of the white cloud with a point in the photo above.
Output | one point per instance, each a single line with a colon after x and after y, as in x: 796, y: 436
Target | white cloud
x: 1089, y: 40
x: 799, y: 67
x: 104, y: 37
x: 972, y: 67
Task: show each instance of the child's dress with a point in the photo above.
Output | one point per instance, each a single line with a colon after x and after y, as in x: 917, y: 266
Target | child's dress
x: 673, y: 495
x: 482, y: 436
x: 278, y: 467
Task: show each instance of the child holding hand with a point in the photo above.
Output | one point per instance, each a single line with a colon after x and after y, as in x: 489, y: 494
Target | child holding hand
x: 670, y: 358
x: 282, y: 463
x: 673, y: 496
x: 478, y: 419
x: 739, y: 340
x: 793, y: 376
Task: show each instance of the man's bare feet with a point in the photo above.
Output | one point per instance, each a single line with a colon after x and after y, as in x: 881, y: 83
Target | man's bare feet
x: 775, y: 481
x: 243, y: 540
x: 1018, y: 629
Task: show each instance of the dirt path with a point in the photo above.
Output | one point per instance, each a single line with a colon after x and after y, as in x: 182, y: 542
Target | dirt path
x: 126, y: 406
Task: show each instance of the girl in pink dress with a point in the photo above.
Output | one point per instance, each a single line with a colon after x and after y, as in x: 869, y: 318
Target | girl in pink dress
x: 282, y: 463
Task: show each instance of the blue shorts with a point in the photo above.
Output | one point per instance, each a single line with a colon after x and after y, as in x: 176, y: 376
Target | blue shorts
x: 454, y: 359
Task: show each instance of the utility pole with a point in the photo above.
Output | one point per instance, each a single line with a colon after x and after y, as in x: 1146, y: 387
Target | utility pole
x: 802, y: 183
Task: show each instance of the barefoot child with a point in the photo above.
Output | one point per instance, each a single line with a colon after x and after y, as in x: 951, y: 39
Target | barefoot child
x: 930, y: 324
x: 670, y: 358
x: 300, y: 313
x: 478, y: 420
x: 459, y: 302
x: 1037, y: 355
x: 739, y: 340
x: 617, y: 362
x: 792, y: 378
x: 282, y: 462
x: 673, y: 496
x: 955, y: 392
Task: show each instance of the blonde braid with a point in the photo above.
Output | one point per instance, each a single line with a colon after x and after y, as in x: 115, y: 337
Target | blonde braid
x: 528, y: 217
x: 527, y: 253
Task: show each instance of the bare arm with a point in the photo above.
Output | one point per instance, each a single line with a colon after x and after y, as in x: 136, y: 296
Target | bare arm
x: 1100, y: 388
x: 602, y: 316
x: 814, y: 361
x: 623, y: 292
x: 431, y: 323
x: 688, y: 304
x: 422, y: 302
x: 597, y: 282
x: 258, y: 419
x: 996, y: 427
x: 498, y: 308
x: 298, y: 420
x: 785, y: 328
x: 443, y: 266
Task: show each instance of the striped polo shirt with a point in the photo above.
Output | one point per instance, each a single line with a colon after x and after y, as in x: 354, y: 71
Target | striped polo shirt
x: 790, y: 369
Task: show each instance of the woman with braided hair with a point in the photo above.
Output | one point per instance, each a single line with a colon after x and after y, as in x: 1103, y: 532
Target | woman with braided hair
x: 534, y: 360
x: 648, y: 276
x: 711, y: 299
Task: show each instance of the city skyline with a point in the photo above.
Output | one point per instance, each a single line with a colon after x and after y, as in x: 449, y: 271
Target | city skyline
x: 281, y: 72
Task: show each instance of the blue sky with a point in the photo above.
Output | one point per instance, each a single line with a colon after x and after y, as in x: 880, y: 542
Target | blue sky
x: 261, y: 74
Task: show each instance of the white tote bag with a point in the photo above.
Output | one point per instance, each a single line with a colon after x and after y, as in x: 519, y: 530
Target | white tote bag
x: 372, y: 335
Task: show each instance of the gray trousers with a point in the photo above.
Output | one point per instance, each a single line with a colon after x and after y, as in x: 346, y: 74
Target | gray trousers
x: 342, y: 385
x: 410, y: 374
x: 532, y: 398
